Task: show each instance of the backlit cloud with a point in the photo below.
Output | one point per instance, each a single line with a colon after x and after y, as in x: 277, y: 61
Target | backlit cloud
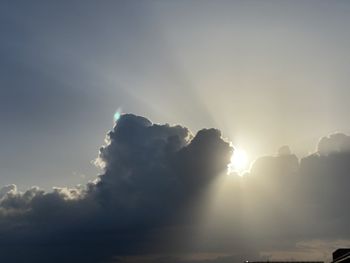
x: 143, y: 207
x: 151, y: 172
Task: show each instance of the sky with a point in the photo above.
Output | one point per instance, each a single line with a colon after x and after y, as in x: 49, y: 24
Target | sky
x: 263, y: 74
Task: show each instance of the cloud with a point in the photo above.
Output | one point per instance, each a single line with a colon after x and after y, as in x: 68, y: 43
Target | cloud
x: 334, y: 143
x: 284, y: 163
x: 291, y: 201
x: 146, y: 203
x: 151, y: 172
x: 7, y: 189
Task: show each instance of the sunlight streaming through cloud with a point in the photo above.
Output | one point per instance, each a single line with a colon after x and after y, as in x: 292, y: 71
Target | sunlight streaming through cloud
x: 239, y: 161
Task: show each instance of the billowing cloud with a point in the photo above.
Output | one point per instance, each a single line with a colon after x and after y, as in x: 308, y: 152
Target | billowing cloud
x: 144, y: 206
x: 334, y: 143
x: 151, y: 172
x: 298, y: 201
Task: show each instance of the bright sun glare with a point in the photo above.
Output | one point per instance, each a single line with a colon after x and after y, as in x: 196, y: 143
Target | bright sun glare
x: 239, y: 161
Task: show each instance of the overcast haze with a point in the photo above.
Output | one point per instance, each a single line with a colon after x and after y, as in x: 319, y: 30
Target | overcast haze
x: 263, y: 74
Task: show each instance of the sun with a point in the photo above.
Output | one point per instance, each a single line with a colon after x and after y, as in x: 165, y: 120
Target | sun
x: 239, y: 161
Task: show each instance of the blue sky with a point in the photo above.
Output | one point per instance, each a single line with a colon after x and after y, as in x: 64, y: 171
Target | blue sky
x: 265, y: 73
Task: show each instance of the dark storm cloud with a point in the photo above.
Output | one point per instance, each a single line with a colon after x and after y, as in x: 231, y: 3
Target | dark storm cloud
x: 151, y: 172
